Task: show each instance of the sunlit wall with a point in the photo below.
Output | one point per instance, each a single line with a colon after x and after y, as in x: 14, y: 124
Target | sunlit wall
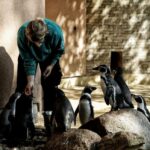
x: 120, y: 25
x: 70, y: 15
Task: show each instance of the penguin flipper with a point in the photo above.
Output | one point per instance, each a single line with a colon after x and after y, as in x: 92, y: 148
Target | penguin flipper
x: 148, y: 112
x: 106, y: 98
x: 92, y: 112
x: 128, y: 102
x: 75, y: 114
x: 108, y: 94
x: 125, y: 90
x: 106, y: 101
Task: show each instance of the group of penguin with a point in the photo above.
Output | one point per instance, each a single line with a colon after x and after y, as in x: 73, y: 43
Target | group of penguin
x: 16, y: 119
x: 116, y: 94
x: 18, y: 113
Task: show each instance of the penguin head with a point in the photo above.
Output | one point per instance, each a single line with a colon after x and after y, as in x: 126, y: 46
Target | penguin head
x: 14, y: 97
x: 89, y: 89
x: 103, y: 69
x: 139, y: 99
x: 141, y: 105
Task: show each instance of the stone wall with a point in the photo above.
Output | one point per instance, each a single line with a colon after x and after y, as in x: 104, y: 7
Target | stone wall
x: 119, y: 25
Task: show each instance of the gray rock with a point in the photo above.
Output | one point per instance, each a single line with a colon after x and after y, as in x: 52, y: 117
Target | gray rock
x: 74, y: 139
x: 126, y: 120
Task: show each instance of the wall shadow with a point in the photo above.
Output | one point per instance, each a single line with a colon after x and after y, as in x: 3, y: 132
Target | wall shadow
x: 6, y: 76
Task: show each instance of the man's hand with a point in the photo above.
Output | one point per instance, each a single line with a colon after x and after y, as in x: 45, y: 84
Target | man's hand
x: 48, y: 71
x: 29, y: 86
x: 28, y: 89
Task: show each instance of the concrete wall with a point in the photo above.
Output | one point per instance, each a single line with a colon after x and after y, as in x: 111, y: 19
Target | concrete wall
x: 12, y: 14
x: 120, y: 25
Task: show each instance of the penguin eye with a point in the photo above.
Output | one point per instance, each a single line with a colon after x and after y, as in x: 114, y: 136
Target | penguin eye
x: 139, y: 100
x: 93, y: 88
x: 102, y: 70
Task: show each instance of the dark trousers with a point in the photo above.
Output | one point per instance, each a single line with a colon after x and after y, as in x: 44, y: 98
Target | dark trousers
x: 48, y: 85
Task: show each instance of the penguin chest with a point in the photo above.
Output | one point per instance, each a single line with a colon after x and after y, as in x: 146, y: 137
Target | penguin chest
x: 84, y: 111
x: 143, y: 108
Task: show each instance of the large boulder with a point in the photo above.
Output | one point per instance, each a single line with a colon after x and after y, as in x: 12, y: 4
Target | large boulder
x: 126, y: 120
x: 74, y: 139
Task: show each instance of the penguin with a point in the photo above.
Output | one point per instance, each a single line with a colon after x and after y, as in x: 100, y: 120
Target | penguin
x: 23, y: 124
x: 141, y: 105
x: 111, y: 90
x: 63, y: 113
x: 118, y: 77
x: 85, y: 108
x: 7, y: 116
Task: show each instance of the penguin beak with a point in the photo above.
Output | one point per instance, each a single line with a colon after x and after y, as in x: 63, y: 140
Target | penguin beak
x: 96, y: 68
x: 134, y: 96
x: 137, y: 98
x: 94, y: 88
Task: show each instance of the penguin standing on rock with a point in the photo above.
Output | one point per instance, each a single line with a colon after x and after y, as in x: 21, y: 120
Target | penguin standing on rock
x: 141, y: 105
x: 85, y: 108
x: 118, y: 77
x: 111, y: 90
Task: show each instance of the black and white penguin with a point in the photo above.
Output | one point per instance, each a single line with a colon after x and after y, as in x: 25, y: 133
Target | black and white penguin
x: 85, y: 108
x: 118, y: 77
x: 63, y: 113
x: 111, y: 90
x: 141, y: 105
x: 23, y: 124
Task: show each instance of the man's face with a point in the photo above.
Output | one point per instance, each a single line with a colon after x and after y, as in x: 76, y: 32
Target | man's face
x: 36, y: 42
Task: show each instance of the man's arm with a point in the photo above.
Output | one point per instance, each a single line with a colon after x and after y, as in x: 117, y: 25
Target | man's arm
x: 29, y: 63
x: 57, y: 50
x: 30, y: 84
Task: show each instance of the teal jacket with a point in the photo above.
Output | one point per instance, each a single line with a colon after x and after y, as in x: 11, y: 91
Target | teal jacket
x: 52, y: 47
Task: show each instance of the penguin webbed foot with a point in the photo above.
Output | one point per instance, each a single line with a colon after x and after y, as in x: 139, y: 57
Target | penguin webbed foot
x: 131, y: 106
x: 114, y: 108
x: 126, y: 106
